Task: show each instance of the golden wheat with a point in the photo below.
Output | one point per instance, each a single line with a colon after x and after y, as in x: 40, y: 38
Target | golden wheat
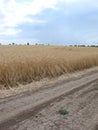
x: 23, y: 64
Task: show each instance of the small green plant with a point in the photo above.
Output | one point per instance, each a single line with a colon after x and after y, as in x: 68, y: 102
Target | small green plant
x: 63, y: 112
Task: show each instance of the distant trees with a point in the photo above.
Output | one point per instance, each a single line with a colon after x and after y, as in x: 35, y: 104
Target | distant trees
x: 13, y: 43
x: 41, y: 44
x: 28, y: 43
x: 83, y: 45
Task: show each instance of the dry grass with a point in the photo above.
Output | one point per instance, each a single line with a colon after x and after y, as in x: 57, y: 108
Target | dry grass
x: 23, y: 64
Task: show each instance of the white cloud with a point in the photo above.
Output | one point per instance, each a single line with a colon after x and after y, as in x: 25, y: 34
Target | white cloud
x: 15, y: 13
x: 9, y: 31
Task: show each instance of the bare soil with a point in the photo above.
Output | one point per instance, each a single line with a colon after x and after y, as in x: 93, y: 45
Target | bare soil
x: 39, y: 110
x: 82, y: 107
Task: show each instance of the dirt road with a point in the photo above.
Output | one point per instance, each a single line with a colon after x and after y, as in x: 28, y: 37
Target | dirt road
x: 39, y: 110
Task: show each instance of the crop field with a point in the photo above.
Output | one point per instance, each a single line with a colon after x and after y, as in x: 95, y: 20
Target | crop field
x: 24, y: 64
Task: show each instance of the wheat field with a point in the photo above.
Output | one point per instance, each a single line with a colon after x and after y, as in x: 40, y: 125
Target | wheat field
x: 24, y: 64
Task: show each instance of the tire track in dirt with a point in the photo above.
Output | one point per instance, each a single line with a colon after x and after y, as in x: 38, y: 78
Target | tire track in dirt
x: 46, y: 96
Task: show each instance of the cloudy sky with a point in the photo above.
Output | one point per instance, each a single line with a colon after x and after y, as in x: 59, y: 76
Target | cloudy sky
x: 58, y: 22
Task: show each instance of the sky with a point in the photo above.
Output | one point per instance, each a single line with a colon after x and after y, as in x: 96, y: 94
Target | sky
x: 56, y: 22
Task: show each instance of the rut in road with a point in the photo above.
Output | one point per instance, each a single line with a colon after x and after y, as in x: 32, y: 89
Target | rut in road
x: 82, y: 108
x: 17, y: 110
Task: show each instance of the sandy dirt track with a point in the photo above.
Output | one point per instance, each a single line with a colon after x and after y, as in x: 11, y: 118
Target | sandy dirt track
x: 38, y: 110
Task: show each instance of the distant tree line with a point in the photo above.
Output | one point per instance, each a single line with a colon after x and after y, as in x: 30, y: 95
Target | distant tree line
x: 41, y: 44
x: 84, y: 45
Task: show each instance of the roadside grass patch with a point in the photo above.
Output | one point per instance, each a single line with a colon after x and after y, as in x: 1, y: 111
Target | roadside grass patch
x: 63, y: 112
